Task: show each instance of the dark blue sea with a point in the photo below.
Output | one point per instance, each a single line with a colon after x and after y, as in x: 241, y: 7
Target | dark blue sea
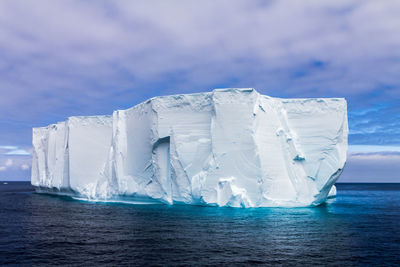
x: 360, y: 227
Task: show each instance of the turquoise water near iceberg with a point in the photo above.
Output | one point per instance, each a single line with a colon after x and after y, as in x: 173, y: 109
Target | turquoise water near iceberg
x: 360, y: 227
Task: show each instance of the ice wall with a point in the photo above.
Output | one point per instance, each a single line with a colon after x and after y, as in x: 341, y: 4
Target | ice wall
x: 229, y: 147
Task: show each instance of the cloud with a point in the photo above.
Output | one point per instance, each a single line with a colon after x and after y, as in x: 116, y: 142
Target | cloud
x: 64, y: 58
x: 376, y: 156
x: 25, y: 167
x: 16, y: 168
x: 13, y: 151
x: 373, y: 166
x: 370, y: 149
x: 9, y: 162
x: 20, y: 152
x: 9, y: 147
x: 81, y: 58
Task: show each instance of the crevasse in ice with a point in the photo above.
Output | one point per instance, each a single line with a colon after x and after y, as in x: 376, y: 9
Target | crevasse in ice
x: 228, y: 147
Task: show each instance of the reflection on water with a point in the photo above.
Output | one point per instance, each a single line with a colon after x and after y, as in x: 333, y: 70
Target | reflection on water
x: 360, y: 226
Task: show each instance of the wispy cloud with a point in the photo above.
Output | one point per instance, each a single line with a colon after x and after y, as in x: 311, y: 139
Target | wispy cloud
x: 9, y: 147
x: 13, y: 151
x: 19, y: 152
x: 367, y: 149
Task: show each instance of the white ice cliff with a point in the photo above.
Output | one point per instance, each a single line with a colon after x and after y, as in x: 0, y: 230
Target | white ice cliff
x: 229, y: 147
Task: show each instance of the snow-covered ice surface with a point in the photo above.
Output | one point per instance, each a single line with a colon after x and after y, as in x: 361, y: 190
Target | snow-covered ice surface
x: 228, y: 147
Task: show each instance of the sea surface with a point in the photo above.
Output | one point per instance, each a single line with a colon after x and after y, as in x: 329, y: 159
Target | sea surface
x: 360, y: 227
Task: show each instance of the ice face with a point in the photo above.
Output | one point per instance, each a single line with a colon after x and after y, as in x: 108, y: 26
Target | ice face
x: 229, y: 147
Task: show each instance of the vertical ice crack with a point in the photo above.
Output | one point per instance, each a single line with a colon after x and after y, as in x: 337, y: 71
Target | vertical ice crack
x: 294, y: 156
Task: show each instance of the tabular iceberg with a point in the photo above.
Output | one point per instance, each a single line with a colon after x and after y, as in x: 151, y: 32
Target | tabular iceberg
x: 228, y: 147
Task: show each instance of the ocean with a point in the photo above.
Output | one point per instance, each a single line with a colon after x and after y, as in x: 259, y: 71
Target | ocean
x: 359, y: 227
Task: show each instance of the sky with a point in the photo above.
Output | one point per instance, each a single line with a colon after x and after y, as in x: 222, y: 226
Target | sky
x: 65, y: 58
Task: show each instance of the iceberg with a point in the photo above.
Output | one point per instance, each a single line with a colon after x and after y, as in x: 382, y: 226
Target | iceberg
x: 332, y: 192
x: 229, y: 147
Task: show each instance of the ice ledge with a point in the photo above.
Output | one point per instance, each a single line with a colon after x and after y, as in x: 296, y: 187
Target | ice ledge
x: 244, y: 90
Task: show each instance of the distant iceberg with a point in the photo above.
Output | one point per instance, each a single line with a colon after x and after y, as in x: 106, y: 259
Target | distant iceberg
x: 228, y: 147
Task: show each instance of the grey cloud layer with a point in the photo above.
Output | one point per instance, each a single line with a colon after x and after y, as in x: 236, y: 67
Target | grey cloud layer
x: 62, y: 58
x: 372, y: 167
